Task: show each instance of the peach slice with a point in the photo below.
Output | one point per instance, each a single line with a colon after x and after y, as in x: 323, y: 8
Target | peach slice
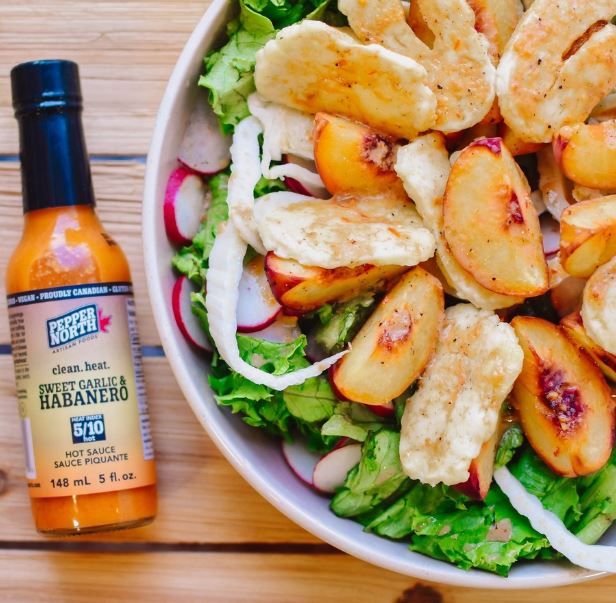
x: 588, y: 154
x: 515, y: 144
x: 481, y: 469
x: 300, y: 289
x: 395, y: 344
x: 352, y: 157
x: 588, y: 235
x: 573, y: 327
x: 564, y: 404
x: 566, y: 296
x: 491, y: 225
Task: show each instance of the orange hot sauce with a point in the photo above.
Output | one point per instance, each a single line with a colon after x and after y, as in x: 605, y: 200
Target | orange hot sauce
x: 89, y: 457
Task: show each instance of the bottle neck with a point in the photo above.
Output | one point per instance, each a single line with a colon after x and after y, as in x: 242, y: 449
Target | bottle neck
x: 55, y: 169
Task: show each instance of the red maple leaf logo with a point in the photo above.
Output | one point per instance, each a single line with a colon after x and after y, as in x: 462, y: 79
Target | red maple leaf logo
x: 103, y: 321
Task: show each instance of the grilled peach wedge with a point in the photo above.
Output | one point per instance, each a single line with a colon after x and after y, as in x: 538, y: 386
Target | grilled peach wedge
x: 491, y: 225
x: 395, y: 344
x: 563, y: 401
x: 566, y: 296
x: 573, y: 327
x: 300, y: 289
x: 352, y: 157
x: 587, y: 154
x: 588, y: 235
x: 481, y: 470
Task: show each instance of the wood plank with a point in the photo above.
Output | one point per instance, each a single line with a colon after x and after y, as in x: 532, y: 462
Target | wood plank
x: 250, y: 578
x: 119, y: 188
x: 126, y: 51
x: 202, y: 498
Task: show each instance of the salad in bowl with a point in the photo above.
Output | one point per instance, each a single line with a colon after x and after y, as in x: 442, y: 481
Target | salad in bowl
x: 395, y: 234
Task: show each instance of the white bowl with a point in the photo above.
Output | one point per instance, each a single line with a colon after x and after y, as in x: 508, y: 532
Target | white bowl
x: 257, y: 458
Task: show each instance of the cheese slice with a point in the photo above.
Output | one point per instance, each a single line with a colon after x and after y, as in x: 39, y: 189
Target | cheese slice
x: 460, y: 71
x: 343, y: 231
x: 456, y: 408
x: 313, y: 67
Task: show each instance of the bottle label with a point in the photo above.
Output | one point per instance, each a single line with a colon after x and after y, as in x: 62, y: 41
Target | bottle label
x: 80, y: 390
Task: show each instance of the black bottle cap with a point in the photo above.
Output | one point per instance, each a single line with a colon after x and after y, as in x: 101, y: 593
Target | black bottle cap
x: 46, y: 84
x: 55, y: 169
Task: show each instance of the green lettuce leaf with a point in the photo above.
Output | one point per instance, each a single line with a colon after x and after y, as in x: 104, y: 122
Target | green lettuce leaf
x: 586, y: 505
x: 193, y: 259
x: 509, y: 443
x: 437, y: 521
x: 312, y: 401
x: 340, y: 323
x: 490, y: 536
x: 286, y: 12
x: 377, y: 476
x: 597, y: 503
x: 301, y: 408
x: 352, y: 420
x: 266, y: 186
x: 444, y: 524
x: 229, y: 71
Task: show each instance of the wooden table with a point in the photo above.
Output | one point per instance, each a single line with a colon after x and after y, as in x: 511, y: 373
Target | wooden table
x: 217, y: 539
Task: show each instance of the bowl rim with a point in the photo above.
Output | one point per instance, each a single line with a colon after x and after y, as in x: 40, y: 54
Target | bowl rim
x: 449, y: 574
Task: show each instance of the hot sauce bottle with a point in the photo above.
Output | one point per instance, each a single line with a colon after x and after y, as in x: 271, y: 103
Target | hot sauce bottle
x: 81, y: 396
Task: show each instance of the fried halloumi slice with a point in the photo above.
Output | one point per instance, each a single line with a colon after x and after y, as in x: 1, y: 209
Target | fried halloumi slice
x: 559, y: 63
x: 456, y: 408
x: 313, y: 67
x: 459, y: 67
x: 346, y: 230
x: 424, y: 168
x: 599, y: 306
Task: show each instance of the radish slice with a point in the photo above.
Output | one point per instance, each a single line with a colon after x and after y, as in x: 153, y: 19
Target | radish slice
x: 550, y: 229
x: 301, y: 461
x: 182, y: 311
x: 223, y: 279
x: 257, y: 307
x: 204, y: 148
x: 303, y: 186
x: 283, y: 330
x: 595, y: 557
x: 331, y: 471
x: 245, y: 173
x: 185, y: 202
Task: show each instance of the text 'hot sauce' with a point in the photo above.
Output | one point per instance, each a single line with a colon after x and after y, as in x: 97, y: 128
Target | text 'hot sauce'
x: 81, y: 396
